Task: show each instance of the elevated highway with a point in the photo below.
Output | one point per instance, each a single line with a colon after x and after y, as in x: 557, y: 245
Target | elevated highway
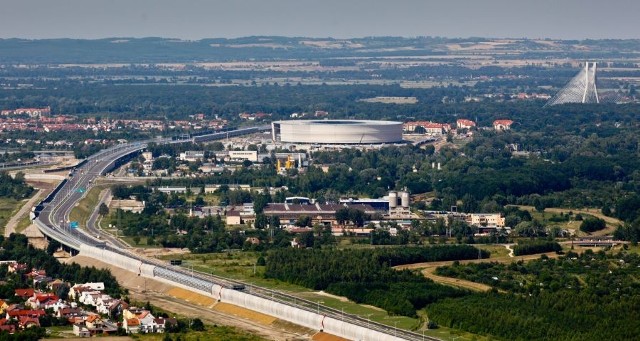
x: 52, y: 218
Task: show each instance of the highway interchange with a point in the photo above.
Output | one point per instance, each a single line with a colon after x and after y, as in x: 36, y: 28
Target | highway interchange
x: 53, y: 221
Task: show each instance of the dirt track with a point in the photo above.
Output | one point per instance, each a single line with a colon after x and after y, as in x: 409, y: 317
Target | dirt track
x: 428, y: 270
x: 144, y: 289
x: 612, y: 223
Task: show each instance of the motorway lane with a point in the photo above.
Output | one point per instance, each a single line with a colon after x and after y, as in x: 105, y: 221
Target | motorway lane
x: 95, y: 231
x: 55, y: 217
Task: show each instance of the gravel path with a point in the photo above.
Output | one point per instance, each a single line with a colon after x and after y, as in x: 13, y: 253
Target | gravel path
x: 25, y: 209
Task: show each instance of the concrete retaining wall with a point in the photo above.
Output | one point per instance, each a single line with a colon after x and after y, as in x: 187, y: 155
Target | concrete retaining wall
x: 246, y: 300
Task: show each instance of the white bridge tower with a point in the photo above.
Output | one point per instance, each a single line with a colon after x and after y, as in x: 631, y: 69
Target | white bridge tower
x: 581, y: 89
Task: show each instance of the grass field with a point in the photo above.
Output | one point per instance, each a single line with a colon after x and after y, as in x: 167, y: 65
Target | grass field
x: 497, y: 251
x: 240, y: 266
x: 85, y: 207
x: 448, y: 334
x: 8, y: 207
x: 549, y: 212
x: 60, y: 331
x: 235, y: 265
x: 129, y: 240
x: 23, y: 223
x: 373, y: 313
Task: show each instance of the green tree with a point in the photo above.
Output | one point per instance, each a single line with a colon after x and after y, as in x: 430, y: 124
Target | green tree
x: 103, y: 210
x: 592, y: 224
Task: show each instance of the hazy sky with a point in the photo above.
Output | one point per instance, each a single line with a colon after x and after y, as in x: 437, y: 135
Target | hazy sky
x: 196, y: 19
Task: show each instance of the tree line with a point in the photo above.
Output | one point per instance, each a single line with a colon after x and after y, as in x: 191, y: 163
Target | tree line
x: 367, y: 276
x: 592, y: 296
x: 14, y: 187
x: 16, y: 247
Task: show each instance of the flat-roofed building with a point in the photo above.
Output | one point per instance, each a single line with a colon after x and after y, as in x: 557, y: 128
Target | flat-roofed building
x: 323, y: 214
x: 241, y: 155
x: 486, y: 219
x: 231, y: 187
x: 192, y: 155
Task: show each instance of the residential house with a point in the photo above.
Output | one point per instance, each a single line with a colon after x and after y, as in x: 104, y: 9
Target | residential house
x: 55, y: 305
x: 465, y: 124
x: 40, y: 300
x: 429, y: 127
x: 55, y: 284
x: 80, y: 330
x: 131, y: 325
x: 69, y: 312
x: 147, y: 321
x: 94, y: 285
x: 5, y: 327
x: 24, y: 293
x: 90, y: 297
x: 108, y: 305
x: 94, y: 323
x: 76, y: 291
x: 501, y: 125
x: 25, y: 322
x: 17, y: 313
x: 160, y: 325
x: 17, y: 267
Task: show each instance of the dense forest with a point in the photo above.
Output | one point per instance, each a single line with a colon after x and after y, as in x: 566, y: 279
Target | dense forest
x: 592, y: 296
x: 366, y: 276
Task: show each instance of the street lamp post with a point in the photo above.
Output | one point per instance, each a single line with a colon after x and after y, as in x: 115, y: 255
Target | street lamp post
x: 319, y: 306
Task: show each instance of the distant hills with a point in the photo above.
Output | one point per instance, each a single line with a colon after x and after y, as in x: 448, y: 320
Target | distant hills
x: 159, y: 50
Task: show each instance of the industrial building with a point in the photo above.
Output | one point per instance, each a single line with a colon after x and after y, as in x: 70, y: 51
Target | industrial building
x: 240, y: 155
x: 191, y: 155
x: 395, y: 205
x: 337, y: 131
x: 323, y: 214
x: 495, y: 220
x: 399, y: 203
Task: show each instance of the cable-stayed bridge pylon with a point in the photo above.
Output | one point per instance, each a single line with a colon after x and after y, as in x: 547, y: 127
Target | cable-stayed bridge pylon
x: 581, y: 89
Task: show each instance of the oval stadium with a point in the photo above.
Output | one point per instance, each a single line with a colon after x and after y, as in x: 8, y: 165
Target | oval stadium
x: 337, y: 131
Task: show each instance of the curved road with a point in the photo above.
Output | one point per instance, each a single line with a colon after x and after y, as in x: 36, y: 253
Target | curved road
x: 53, y: 221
